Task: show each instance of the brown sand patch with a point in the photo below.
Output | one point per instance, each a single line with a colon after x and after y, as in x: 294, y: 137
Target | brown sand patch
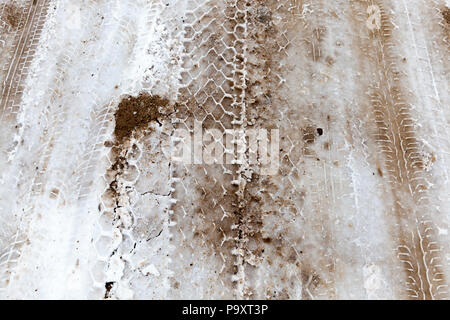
x: 136, y: 113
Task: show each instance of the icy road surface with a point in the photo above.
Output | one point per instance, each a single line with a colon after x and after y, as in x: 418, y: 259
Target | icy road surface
x: 94, y: 206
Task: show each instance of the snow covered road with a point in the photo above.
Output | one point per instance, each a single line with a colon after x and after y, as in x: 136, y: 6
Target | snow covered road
x: 94, y: 205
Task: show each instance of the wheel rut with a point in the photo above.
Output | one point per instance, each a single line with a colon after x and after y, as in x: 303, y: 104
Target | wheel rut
x: 416, y: 237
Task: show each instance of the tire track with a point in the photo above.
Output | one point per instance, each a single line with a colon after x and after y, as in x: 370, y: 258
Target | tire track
x: 431, y: 65
x: 417, y: 246
x: 37, y: 183
x: 206, y: 199
x: 430, y: 84
x: 247, y: 221
x: 155, y: 228
x: 49, y: 176
x: 124, y: 240
x: 31, y: 25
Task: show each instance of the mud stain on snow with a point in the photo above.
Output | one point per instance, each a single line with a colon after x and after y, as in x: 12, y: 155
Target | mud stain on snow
x: 445, y: 12
x: 136, y: 113
x: 133, y: 117
x: 446, y: 15
x: 12, y: 15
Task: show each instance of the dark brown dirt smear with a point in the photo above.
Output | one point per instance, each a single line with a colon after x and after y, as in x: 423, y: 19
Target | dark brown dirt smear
x: 108, y: 288
x: 445, y: 11
x: 135, y: 113
x: 12, y: 15
x: 211, y: 93
x: 446, y: 15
